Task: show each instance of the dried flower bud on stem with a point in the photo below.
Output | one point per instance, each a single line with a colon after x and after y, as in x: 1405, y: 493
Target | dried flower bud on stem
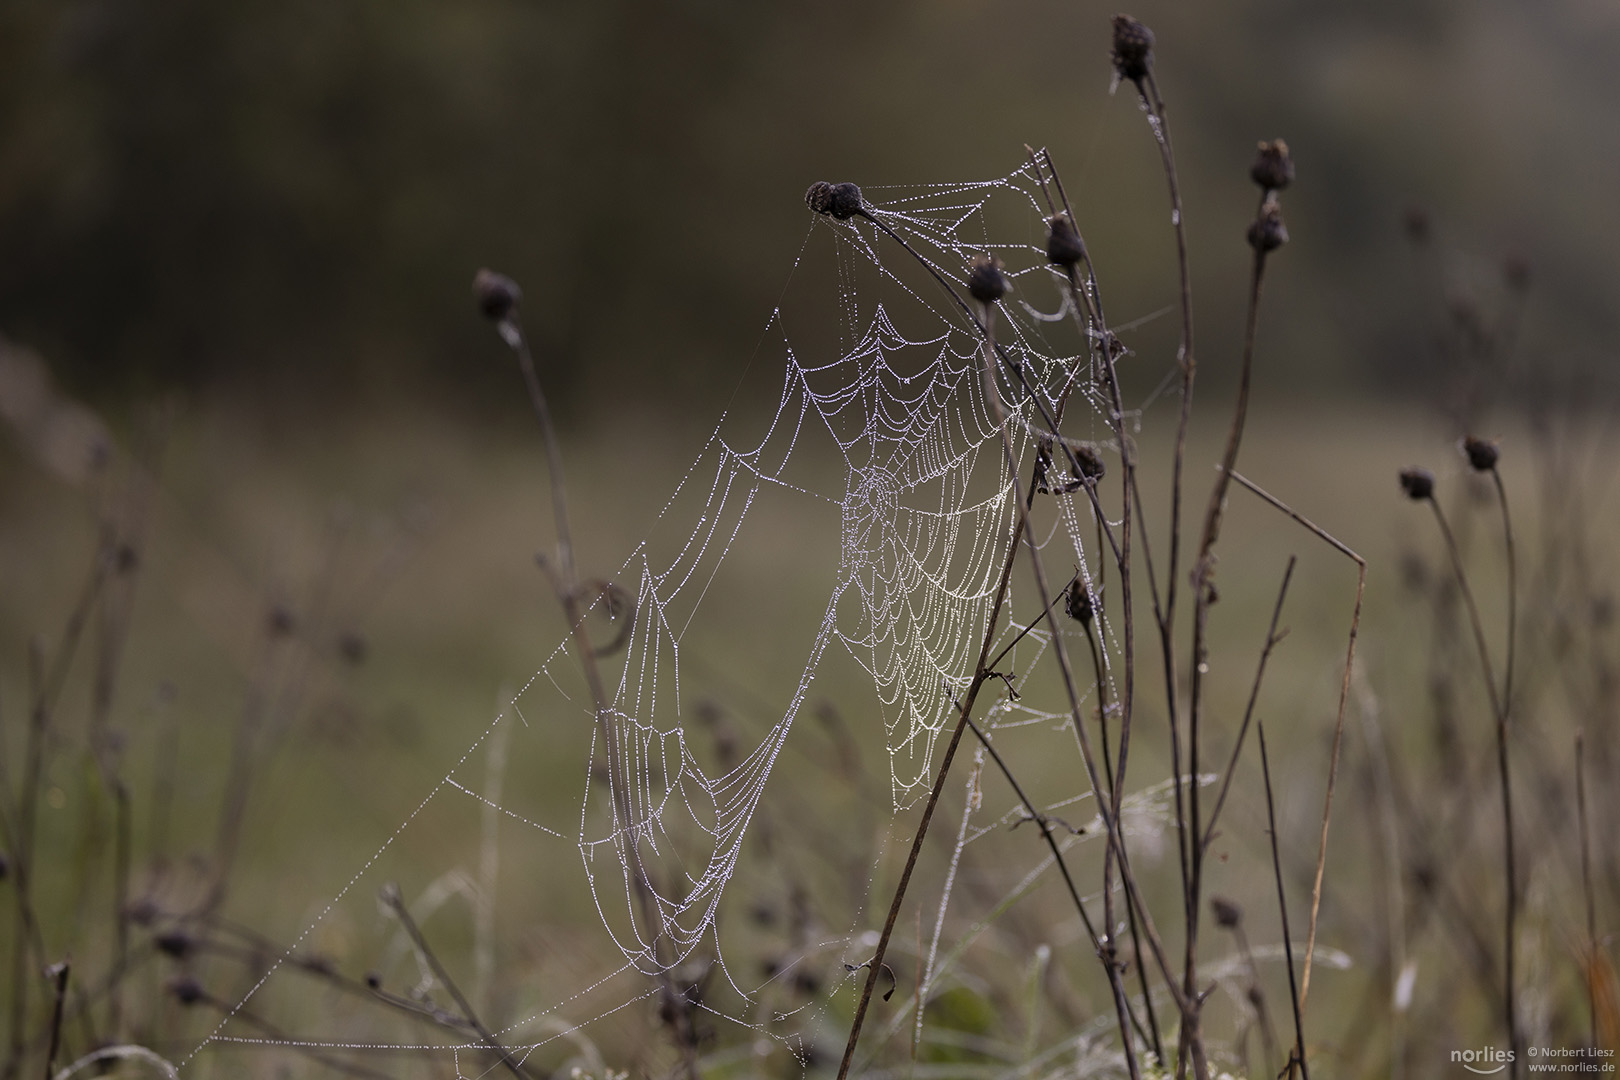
x: 986, y: 281
x: 1418, y: 483
x: 1133, y: 49
x: 1273, y: 169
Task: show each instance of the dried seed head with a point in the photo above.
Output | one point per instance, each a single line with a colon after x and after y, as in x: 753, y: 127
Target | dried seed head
x: 1273, y: 169
x: 1078, y: 604
x: 840, y: 201
x: 1228, y: 915
x: 1063, y: 244
x: 497, y: 294
x: 986, y: 282
x: 1481, y: 453
x: 1418, y: 483
x: 187, y: 991
x: 175, y: 943
x: 1133, y: 49
x: 1268, y: 233
x: 1091, y: 463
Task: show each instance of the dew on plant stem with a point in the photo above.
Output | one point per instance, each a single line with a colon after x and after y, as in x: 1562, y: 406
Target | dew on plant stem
x: 1175, y: 217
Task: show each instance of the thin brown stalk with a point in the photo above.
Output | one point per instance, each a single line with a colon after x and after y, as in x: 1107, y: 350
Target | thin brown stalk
x: 396, y: 903
x: 1066, y: 671
x: 1105, y: 948
x: 1513, y: 591
x: 1510, y: 866
x: 45, y: 686
x: 1591, y: 966
x: 1087, y: 297
x: 59, y: 974
x: 1272, y: 638
x: 1338, y: 723
x: 1203, y: 595
x: 1282, y: 906
x: 1153, y: 102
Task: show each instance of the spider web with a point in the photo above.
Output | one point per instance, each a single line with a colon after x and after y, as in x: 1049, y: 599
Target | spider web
x: 889, y: 385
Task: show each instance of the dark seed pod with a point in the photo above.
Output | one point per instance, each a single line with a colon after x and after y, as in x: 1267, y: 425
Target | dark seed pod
x: 175, y: 943
x: 187, y: 991
x: 1133, y: 49
x: 373, y: 981
x: 1481, y: 453
x: 497, y: 294
x: 1063, y: 244
x: 1268, y: 233
x: 1273, y: 169
x: 1228, y: 915
x: 1418, y: 483
x: 840, y: 201
x: 1091, y: 463
x: 986, y: 282
x: 1078, y: 604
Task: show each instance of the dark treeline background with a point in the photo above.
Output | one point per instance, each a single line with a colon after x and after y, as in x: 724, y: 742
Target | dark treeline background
x: 290, y: 196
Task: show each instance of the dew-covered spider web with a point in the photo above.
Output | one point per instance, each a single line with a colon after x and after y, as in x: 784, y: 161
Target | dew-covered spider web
x: 859, y: 523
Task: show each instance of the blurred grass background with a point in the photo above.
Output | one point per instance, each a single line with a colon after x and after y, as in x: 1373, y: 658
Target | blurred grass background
x: 293, y: 195
x: 251, y: 227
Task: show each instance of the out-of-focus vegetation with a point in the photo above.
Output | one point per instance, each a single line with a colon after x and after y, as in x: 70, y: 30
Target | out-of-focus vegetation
x: 293, y: 194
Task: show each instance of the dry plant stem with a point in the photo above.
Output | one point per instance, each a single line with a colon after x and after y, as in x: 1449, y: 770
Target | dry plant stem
x: 1044, y: 824
x: 1272, y: 638
x: 1114, y: 796
x: 1338, y: 723
x: 401, y: 912
x: 46, y: 686
x: 1591, y: 972
x: 565, y: 585
x: 1087, y: 295
x: 1510, y: 865
x: 1148, y: 88
x: 1513, y: 592
x: 1203, y: 595
x: 1282, y: 905
x: 1105, y: 948
x: 61, y: 974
